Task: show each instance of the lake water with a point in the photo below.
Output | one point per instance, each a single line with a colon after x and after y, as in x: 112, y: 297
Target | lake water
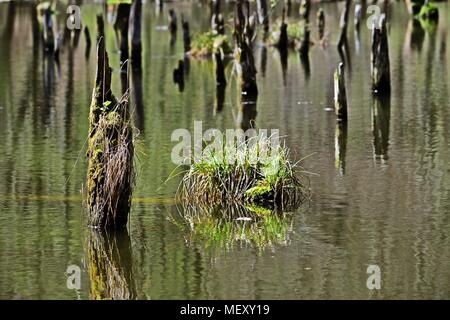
x: 380, y: 196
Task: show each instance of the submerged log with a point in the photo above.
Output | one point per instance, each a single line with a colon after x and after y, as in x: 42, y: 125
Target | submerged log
x: 379, y: 62
x: 243, y: 50
x: 340, y: 95
x: 110, y: 153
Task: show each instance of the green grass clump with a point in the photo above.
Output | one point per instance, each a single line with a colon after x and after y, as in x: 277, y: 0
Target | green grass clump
x: 255, y: 171
x: 208, y: 43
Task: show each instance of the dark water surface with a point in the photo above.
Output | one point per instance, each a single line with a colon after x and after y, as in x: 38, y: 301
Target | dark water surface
x: 381, y: 194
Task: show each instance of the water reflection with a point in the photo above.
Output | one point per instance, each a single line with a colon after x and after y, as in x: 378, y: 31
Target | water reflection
x: 110, y: 268
x: 247, y: 112
x: 235, y: 225
x: 340, y: 146
x: 381, y: 114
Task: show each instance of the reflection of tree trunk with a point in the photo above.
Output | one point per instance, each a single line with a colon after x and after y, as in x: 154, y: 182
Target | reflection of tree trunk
x: 110, y: 265
x: 381, y: 109
x: 137, y: 97
x: 341, y: 146
x: 247, y: 113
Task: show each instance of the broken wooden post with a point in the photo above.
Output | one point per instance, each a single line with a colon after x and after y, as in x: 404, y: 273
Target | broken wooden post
x: 243, y: 51
x: 87, y: 36
x: 321, y: 23
x: 340, y: 95
x: 186, y: 35
x: 263, y: 15
x: 344, y: 23
x: 379, y: 59
x: 110, y: 152
x: 135, y: 33
x: 100, y: 27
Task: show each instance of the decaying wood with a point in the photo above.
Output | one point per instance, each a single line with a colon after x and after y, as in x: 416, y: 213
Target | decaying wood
x: 243, y: 49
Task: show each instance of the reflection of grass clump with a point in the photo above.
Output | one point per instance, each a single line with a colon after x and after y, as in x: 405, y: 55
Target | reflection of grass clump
x: 206, y: 44
x: 256, y: 171
x: 232, y: 226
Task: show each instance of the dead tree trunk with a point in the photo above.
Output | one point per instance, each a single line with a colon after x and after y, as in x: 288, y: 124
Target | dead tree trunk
x: 135, y: 33
x: 304, y: 13
x: 110, y: 152
x: 100, y: 27
x: 243, y: 51
x: 121, y: 26
x: 340, y: 95
x: 379, y: 62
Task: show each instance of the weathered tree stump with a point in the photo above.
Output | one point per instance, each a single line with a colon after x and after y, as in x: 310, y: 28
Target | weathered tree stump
x: 110, y: 152
x: 379, y: 62
x: 243, y: 50
x: 340, y: 95
x: 135, y: 33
